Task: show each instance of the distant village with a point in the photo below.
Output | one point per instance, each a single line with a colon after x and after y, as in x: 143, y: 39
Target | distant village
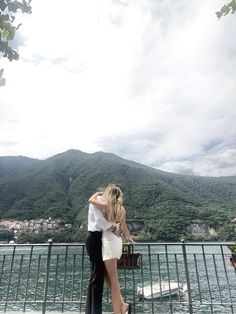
x: 33, y: 225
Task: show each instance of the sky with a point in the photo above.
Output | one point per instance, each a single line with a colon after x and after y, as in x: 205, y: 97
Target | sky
x: 151, y: 81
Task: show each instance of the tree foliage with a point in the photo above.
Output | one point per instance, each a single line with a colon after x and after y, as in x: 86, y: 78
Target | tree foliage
x: 8, y: 27
x: 160, y: 205
x: 43, y: 237
x: 226, y: 9
x: 6, y: 235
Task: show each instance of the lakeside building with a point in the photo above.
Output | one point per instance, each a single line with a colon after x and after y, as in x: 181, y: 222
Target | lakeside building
x: 32, y: 225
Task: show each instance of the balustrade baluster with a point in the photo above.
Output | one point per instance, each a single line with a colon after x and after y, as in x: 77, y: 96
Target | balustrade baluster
x: 49, y: 254
x: 187, y: 278
x: 217, y: 277
x: 19, y: 277
x: 227, y: 279
x: 56, y: 275
x: 150, y: 273
x: 10, y: 276
x: 64, y: 280
x: 168, y: 276
x: 177, y: 275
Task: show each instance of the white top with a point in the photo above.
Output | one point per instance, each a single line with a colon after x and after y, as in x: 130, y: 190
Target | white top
x: 96, y: 219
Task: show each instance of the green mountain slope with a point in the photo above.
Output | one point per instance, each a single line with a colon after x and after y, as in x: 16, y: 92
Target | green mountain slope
x: 164, y: 203
x: 12, y: 164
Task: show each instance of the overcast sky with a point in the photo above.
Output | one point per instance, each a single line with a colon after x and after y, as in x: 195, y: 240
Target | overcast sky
x: 152, y: 81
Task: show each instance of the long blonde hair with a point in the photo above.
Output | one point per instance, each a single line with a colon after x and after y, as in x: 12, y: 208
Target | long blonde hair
x: 114, y: 198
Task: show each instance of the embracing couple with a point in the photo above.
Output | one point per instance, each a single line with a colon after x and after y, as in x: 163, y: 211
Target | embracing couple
x: 106, y: 222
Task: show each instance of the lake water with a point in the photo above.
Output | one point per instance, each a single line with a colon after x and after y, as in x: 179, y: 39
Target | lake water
x: 212, y: 278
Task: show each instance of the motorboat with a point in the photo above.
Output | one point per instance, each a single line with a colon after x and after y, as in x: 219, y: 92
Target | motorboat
x: 159, y: 290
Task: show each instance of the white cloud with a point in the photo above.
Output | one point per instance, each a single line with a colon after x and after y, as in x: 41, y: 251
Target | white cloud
x: 152, y: 81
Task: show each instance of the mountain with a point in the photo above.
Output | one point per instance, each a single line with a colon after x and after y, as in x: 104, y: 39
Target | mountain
x: 163, y: 204
x: 10, y: 164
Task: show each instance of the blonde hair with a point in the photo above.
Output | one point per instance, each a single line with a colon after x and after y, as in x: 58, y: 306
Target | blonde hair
x: 114, y: 198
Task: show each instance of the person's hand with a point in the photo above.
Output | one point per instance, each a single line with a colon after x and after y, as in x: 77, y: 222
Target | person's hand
x: 129, y: 240
x: 95, y: 195
x: 99, y: 193
x: 117, y: 233
x: 114, y: 230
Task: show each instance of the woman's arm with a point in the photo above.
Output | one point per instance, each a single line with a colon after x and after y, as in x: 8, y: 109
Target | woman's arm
x: 99, y: 217
x: 125, y: 230
x: 101, y: 204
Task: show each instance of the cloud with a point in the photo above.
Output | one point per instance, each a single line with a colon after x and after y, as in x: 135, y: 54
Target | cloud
x: 37, y: 59
x: 218, y: 163
x: 18, y: 41
x: 8, y: 143
x: 215, y: 158
x: 152, y: 81
x: 196, y: 142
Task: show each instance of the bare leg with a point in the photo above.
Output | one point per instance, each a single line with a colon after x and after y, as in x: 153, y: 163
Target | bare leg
x: 119, y: 306
x: 107, y: 281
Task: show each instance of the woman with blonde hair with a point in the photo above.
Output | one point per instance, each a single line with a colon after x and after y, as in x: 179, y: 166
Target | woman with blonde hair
x: 111, y: 203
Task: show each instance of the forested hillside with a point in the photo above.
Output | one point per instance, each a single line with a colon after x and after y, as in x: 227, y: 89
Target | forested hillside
x: 162, y: 203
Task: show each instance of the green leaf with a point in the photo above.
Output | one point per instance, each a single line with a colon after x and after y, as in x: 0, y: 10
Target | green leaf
x: 3, y: 5
x: 2, y: 82
x: 226, y: 9
x: 5, y: 17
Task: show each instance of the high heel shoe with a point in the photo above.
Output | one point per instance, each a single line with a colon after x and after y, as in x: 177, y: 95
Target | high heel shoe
x: 129, y: 309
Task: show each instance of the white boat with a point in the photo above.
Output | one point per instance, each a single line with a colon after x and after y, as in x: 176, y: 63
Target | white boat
x: 159, y: 290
